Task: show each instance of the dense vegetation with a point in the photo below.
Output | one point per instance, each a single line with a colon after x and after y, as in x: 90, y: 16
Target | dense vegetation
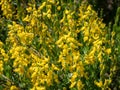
x: 59, y: 45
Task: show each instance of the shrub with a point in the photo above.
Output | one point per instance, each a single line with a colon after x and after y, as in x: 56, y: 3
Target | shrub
x: 55, y: 45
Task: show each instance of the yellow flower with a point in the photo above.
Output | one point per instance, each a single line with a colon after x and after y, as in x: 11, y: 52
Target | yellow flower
x: 27, y: 18
x: 80, y: 85
x: 99, y: 84
x: 86, y: 33
x: 85, y: 38
x: 54, y: 67
x: 29, y: 9
x: 95, y: 36
x: 40, y: 88
x: 69, y: 16
x: 89, y: 8
x: 84, y: 16
x: 102, y: 25
x: 49, y: 16
x: 49, y: 77
x: 100, y: 56
x: 33, y: 22
x: 13, y: 88
x: 113, y: 33
x: 107, y: 82
x: 59, y: 41
x: 6, y: 57
x: 19, y: 70
x: 1, y: 44
x: 59, y: 8
x: 75, y: 74
x: 108, y: 51
x: 66, y: 11
x: 97, y: 42
x: 56, y: 78
x: 1, y: 66
x: 72, y: 45
x: 51, y: 1
x: 49, y: 6
x: 72, y: 84
x: 63, y: 63
x: 62, y: 20
x: 42, y: 6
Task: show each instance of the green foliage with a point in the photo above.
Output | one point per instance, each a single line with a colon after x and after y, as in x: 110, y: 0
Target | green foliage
x: 3, y: 29
x: 116, y: 27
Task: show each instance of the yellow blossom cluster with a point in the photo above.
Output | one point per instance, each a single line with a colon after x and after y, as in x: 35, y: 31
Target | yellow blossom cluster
x: 55, y: 45
x: 6, y: 8
x: 3, y: 57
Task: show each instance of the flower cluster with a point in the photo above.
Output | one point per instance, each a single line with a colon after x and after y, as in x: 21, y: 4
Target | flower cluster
x: 55, y: 45
x: 6, y: 8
